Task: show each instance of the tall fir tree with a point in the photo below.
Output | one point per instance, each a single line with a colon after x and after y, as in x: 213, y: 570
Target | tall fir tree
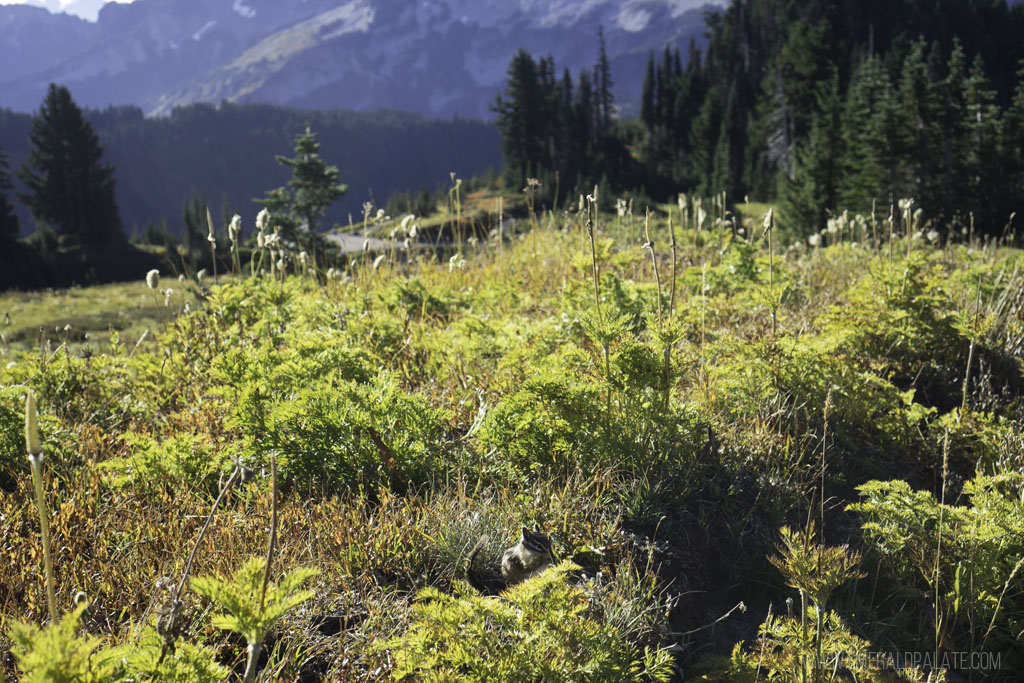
x: 813, y: 191
x: 603, y: 77
x: 518, y: 112
x: 68, y: 186
x: 9, y: 224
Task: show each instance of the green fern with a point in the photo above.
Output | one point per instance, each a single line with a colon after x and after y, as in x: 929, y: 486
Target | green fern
x: 56, y: 654
x: 539, y: 630
x: 240, y: 598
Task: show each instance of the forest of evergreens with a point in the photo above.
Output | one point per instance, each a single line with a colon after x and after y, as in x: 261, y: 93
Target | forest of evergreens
x: 823, y: 106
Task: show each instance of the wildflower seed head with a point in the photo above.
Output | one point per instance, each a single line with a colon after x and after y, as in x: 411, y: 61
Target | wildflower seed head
x: 814, y: 240
x: 153, y: 279
x: 181, y: 277
x: 407, y: 221
x: 168, y: 293
x: 261, y: 220
x: 303, y: 257
x: 200, y: 276
x: 379, y: 260
x: 32, y: 443
x: 81, y: 599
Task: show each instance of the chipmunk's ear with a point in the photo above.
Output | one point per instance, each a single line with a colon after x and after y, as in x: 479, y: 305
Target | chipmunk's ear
x: 525, y: 533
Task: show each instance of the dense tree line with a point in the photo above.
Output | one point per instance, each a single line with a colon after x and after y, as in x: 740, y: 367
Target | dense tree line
x: 821, y: 105
x: 560, y: 131
x: 226, y: 156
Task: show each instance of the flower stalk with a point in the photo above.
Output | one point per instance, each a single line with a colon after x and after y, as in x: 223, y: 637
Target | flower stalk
x: 35, y: 457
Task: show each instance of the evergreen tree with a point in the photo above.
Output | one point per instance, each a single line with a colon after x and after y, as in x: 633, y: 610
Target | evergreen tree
x: 985, y: 174
x: 647, y: 105
x: 518, y: 118
x: 9, y: 225
x: 919, y: 102
x: 603, y: 76
x: 1013, y: 145
x: 814, y: 189
x: 314, y: 186
x: 69, y: 186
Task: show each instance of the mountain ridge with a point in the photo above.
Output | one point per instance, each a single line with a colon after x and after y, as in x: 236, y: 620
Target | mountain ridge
x: 438, y: 58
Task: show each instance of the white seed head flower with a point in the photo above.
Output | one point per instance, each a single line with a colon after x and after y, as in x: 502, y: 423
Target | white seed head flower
x: 261, y: 220
x: 701, y: 216
x: 366, y: 246
x: 330, y: 273
x: 407, y: 221
x: 620, y: 207
x: 236, y: 226
x: 303, y: 257
x: 280, y: 263
x: 153, y: 279
x: 933, y: 235
x: 814, y: 240
x: 181, y: 277
x: 379, y: 260
x: 456, y: 261
x: 200, y: 276
x: 380, y: 214
x: 168, y: 293
x: 261, y: 241
x: 32, y: 443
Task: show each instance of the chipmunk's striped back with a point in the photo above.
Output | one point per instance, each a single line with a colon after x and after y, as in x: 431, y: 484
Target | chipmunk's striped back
x: 532, y: 555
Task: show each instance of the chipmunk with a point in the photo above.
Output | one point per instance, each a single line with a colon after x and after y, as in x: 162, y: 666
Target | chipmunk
x: 527, y: 558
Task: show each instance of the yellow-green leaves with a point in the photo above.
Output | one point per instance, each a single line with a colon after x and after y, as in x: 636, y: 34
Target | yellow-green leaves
x: 240, y: 598
x: 55, y: 654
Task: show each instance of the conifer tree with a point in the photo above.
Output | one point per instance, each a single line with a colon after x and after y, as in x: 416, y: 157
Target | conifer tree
x: 69, y: 186
x: 9, y: 224
x: 314, y: 186
x: 814, y: 187
x: 518, y: 112
x: 603, y: 76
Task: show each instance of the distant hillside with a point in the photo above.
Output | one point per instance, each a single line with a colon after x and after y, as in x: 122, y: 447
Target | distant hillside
x: 227, y: 154
x: 439, y: 58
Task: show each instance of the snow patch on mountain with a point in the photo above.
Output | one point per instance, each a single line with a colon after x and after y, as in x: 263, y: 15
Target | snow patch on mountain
x: 198, y: 35
x: 243, y: 10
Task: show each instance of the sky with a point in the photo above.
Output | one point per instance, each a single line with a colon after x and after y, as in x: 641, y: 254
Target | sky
x: 87, y: 9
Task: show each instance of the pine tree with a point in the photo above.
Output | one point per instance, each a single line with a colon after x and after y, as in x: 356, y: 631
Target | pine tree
x: 919, y: 102
x: 814, y: 188
x: 985, y: 176
x: 9, y: 225
x: 518, y: 112
x: 603, y: 76
x: 952, y: 121
x: 69, y: 186
x: 314, y: 186
x: 647, y: 104
x: 1013, y: 145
